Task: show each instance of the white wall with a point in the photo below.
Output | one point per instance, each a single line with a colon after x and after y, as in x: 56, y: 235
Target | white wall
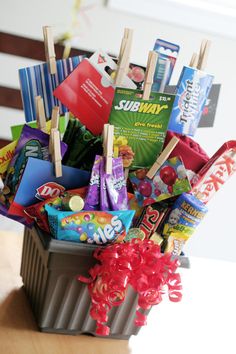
x: 103, y: 28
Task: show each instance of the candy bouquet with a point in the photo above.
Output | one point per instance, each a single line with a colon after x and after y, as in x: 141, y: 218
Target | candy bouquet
x: 110, y: 161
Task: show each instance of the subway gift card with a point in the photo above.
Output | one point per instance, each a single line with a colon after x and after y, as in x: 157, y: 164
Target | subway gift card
x: 140, y: 126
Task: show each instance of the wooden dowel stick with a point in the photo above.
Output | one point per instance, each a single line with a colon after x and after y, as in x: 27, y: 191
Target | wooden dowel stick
x: 163, y: 157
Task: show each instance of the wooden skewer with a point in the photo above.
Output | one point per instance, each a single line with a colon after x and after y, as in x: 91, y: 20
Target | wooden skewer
x: 40, y: 113
x: 194, y: 60
x: 57, y: 153
x: 150, y: 70
x: 203, y: 55
x: 108, y: 137
x: 163, y: 157
x: 55, y: 117
x: 49, y: 49
x: 124, y: 56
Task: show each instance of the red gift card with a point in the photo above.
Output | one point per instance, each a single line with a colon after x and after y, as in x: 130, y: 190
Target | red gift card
x: 88, y: 95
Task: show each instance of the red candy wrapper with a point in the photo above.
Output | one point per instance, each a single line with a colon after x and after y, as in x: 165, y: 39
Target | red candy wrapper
x: 216, y: 172
x: 38, y: 213
x: 139, y: 264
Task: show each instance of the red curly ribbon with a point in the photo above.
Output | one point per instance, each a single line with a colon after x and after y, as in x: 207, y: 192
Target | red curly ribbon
x: 139, y: 264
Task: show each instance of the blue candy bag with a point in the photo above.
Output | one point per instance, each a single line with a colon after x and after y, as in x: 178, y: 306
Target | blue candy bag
x: 94, y: 227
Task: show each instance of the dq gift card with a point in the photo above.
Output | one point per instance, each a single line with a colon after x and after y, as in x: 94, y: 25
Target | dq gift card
x: 39, y: 183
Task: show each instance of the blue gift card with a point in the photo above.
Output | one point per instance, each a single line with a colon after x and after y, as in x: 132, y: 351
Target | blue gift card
x: 39, y: 182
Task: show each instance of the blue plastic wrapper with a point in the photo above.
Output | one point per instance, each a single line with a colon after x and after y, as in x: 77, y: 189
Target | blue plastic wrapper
x: 94, y: 227
x: 191, y: 93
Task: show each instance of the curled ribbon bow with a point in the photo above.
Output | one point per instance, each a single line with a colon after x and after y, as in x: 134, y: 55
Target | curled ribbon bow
x: 139, y: 264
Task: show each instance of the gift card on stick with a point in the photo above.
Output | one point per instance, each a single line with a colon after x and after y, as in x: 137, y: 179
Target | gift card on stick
x: 89, y: 90
x: 39, y: 182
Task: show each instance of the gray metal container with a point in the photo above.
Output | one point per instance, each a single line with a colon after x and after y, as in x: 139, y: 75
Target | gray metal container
x: 60, y: 302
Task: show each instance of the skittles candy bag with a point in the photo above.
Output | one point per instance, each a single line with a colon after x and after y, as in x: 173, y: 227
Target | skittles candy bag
x: 94, y: 227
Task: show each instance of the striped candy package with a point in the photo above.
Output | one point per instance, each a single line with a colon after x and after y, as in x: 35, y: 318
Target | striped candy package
x: 37, y: 81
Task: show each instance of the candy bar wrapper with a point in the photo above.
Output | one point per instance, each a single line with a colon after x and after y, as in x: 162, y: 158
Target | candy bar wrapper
x: 96, y: 227
x: 174, y: 244
x: 92, y: 200
x: 39, y: 183
x: 191, y: 94
x: 151, y: 218
x: 32, y: 143
x: 166, y: 51
x: 38, y: 213
x: 37, y: 81
x: 104, y: 202
x: 216, y: 172
x: 170, y: 180
x: 140, y: 126
x: 116, y: 186
x: 186, y: 214
x: 83, y: 146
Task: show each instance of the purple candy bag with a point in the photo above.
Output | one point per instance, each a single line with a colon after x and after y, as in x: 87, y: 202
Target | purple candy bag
x: 104, y: 202
x: 32, y: 143
x: 92, y: 200
x: 116, y: 186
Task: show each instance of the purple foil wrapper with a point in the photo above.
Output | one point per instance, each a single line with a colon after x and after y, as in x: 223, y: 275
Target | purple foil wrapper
x: 104, y: 202
x: 32, y: 143
x: 92, y: 200
x: 116, y: 186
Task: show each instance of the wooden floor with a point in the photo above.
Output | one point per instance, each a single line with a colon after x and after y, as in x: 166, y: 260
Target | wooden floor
x: 18, y: 331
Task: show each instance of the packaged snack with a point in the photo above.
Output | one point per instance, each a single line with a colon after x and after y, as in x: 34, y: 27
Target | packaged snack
x: 83, y: 146
x: 37, y: 211
x: 151, y: 218
x: 170, y: 180
x: 37, y: 81
x: 216, y: 172
x: 6, y: 154
x: 175, y: 243
x: 191, y: 94
x: 39, y: 183
x: 104, y: 202
x: 116, y: 186
x: 140, y: 126
x: 92, y: 200
x: 32, y: 143
x: 186, y: 214
x: 167, y: 52
x: 89, y: 90
x: 17, y: 129
x: 99, y: 227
